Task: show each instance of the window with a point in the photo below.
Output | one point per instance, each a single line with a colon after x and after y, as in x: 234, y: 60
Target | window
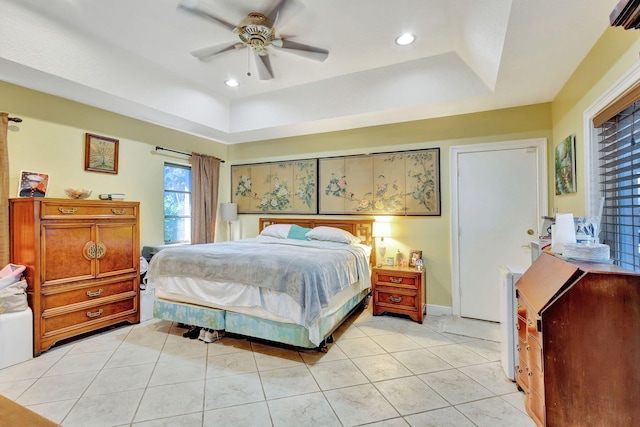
x: 177, y: 203
x: 619, y: 181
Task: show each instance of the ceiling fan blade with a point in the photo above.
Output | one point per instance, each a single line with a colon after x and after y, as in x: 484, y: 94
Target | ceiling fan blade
x: 284, y: 8
x: 310, y: 52
x: 189, y: 6
x: 208, y: 52
x: 263, y: 65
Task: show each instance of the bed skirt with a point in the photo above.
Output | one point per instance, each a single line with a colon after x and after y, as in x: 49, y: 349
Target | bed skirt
x: 252, y: 326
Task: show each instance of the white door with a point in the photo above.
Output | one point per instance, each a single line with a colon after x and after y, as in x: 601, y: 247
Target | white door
x: 498, y: 206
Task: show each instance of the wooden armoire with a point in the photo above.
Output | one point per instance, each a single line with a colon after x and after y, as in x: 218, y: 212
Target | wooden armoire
x: 579, y: 343
x: 82, y: 259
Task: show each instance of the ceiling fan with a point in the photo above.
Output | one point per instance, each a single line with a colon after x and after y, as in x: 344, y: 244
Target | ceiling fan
x: 257, y: 32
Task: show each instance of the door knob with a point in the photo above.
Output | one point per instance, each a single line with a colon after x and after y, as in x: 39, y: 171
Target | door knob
x: 530, y: 232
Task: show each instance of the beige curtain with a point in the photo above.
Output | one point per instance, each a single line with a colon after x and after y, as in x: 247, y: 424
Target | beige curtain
x: 205, y: 175
x: 4, y: 191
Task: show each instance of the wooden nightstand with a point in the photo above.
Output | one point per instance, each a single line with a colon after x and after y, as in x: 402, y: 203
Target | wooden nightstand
x: 399, y: 290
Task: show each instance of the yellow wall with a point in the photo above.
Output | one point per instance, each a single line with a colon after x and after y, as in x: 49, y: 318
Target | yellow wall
x: 612, y: 56
x: 432, y: 235
x: 51, y: 139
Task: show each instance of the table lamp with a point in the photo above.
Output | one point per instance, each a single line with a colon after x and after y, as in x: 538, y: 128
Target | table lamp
x: 381, y: 230
x: 228, y: 213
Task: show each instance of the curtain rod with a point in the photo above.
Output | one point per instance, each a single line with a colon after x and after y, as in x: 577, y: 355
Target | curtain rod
x: 182, y: 152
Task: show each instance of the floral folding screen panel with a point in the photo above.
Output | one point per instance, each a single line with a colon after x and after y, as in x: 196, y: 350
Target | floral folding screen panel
x: 282, y: 187
x: 401, y: 183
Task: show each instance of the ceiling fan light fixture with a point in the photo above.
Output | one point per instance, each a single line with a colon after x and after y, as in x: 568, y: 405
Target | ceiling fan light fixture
x: 257, y: 34
x: 232, y: 83
x: 405, y: 39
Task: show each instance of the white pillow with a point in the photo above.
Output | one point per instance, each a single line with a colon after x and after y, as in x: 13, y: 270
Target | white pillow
x: 281, y: 231
x: 332, y: 234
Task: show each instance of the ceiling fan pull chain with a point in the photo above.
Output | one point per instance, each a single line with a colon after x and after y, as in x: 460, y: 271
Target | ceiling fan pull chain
x: 249, y: 62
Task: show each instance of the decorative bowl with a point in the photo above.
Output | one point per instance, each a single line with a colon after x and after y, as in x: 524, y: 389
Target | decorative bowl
x: 77, y: 193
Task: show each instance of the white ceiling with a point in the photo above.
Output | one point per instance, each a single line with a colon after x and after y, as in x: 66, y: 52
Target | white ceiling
x: 133, y: 57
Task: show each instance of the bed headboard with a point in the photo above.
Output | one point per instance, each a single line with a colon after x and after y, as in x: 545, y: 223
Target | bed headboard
x: 361, y: 228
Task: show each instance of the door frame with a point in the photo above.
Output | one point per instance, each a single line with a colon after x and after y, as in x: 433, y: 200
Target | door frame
x: 541, y: 146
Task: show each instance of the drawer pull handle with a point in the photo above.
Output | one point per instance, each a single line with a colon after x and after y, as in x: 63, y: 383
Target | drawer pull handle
x: 95, y: 314
x: 119, y: 211
x: 394, y: 299
x: 68, y: 211
x: 395, y: 280
x: 95, y: 294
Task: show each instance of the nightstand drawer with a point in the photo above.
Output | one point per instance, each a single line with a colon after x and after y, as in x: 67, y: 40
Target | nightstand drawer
x: 389, y: 297
x: 397, y: 279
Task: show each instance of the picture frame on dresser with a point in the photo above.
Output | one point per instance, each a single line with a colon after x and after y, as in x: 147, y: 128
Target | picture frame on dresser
x: 33, y: 184
x: 414, y: 254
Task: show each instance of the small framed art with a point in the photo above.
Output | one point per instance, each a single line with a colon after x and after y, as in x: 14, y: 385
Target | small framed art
x: 565, y: 166
x: 100, y: 154
x: 390, y: 260
x: 33, y: 184
x: 414, y: 254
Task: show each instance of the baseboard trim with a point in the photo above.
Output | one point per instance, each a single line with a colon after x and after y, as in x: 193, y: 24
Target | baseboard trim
x: 439, y: 310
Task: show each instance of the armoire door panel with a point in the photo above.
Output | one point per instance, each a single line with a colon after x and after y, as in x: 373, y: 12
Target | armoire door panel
x: 63, y: 248
x: 117, y: 255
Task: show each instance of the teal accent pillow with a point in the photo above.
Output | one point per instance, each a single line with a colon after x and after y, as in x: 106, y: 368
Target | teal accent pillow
x: 297, y: 232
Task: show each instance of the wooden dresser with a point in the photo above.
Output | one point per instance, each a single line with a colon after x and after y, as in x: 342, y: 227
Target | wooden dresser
x: 82, y: 259
x: 579, y: 343
x: 398, y: 290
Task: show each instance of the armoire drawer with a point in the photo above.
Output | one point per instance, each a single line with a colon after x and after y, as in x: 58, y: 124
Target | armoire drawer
x: 60, y: 296
x: 57, y: 209
x: 76, y: 319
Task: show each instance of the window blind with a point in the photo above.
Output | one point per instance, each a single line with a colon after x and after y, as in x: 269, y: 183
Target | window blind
x: 619, y: 176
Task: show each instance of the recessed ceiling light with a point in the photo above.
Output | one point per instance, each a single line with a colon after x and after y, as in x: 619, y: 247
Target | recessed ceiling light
x: 232, y: 83
x: 405, y: 39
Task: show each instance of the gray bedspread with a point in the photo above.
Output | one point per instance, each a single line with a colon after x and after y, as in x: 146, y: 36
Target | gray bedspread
x: 309, y: 271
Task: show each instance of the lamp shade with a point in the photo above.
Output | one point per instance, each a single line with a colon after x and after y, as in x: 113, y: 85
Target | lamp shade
x: 229, y: 211
x: 381, y: 229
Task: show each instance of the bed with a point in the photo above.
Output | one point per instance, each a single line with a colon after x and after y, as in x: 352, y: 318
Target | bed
x: 293, y: 284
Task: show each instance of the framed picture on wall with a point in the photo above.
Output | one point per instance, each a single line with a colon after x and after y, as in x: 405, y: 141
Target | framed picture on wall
x: 33, y: 184
x: 278, y: 187
x: 398, y: 183
x: 100, y: 154
x: 565, y: 166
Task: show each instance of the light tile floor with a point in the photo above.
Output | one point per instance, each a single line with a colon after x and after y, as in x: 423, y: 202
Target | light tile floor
x: 381, y: 371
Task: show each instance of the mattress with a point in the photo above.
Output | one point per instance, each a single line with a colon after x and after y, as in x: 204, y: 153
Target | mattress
x: 176, y: 275
x: 274, y: 307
